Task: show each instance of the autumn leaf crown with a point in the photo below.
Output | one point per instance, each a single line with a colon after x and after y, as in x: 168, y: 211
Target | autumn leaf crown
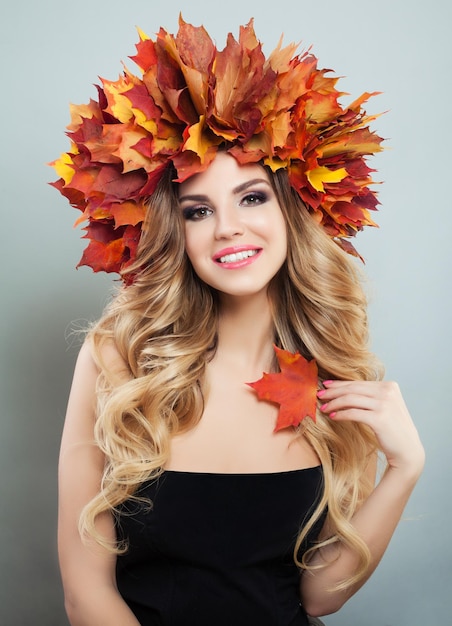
x: 191, y: 100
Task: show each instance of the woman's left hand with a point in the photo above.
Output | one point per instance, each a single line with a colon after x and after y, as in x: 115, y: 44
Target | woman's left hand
x: 379, y: 405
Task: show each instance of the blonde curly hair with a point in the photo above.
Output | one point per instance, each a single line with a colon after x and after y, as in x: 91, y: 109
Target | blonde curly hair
x: 164, y: 326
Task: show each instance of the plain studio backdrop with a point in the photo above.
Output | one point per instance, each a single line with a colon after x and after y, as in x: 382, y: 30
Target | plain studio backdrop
x: 52, y: 54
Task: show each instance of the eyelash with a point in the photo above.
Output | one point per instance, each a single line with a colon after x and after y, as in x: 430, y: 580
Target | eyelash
x: 259, y: 196
x: 194, y: 213
x: 250, y: 199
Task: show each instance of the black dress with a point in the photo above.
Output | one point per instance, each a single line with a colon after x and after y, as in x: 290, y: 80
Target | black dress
x: 216, y: 549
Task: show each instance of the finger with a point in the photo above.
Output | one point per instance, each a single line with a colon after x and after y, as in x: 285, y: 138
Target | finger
x: 349, y: 401
x: 334, y: 389
x: 349, y: 393
x: 352, y: 415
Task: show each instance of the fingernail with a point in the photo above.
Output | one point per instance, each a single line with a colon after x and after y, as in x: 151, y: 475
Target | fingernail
x: 327, y: 382
x: 323, y: 407
x: 321, y: 393
x: 332, y: 414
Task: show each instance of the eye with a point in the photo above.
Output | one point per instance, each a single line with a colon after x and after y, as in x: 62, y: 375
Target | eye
x: 254, y: 198
x: 196, y: 213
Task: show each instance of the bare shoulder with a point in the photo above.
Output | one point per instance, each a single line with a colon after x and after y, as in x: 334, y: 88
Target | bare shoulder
x: 82, y: 403
x: 81, y: 406
x: 80, y: 471
x: 107, y: 358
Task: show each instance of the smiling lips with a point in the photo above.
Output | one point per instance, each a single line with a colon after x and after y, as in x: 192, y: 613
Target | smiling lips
x: 233, y: 258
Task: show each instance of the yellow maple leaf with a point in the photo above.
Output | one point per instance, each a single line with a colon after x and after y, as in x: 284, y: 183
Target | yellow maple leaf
x: 320, y: 175
x: 63, y: 167
x: 197, y: 141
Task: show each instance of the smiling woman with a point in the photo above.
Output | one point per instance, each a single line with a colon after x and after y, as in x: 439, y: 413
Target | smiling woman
x: 233, y: 221
x: 226, y: 199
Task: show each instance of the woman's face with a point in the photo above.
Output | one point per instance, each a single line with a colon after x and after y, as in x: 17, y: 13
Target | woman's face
x: 235, y: 233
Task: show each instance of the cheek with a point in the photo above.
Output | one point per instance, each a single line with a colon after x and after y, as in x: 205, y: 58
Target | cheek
x: 279, y: 231
x: 189, y: 239
x: 190, y: 255
x: 194, y: 244
x: 281, y: 240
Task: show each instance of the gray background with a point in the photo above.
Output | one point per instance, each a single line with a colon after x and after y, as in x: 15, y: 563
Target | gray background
x: 52, y: 52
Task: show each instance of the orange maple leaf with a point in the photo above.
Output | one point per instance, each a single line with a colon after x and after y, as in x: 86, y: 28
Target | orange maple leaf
x: 191, y: 100
x: 294, y: 388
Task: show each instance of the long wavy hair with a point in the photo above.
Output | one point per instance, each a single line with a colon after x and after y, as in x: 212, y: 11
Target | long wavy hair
x: 164, y: 326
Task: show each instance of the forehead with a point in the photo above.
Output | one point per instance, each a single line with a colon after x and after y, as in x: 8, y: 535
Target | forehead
x: 224, y: 173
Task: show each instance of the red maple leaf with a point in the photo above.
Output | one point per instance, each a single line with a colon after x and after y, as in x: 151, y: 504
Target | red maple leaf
x: 294, y: 388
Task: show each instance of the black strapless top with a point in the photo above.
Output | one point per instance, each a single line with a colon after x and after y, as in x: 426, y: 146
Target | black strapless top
x: 216, y: 549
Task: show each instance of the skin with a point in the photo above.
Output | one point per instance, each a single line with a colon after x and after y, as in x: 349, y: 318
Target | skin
x: 224, y: 217
x: 232, y: 214
x: 379, y: 405
x: 218, y: 218
x: 88, y: 571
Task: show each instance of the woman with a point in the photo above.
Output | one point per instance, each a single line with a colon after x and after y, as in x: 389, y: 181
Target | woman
x: 192, y: 491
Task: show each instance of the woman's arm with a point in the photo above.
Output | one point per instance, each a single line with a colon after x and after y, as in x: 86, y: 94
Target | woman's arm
x: 88, y: 571
x: 379, y: 405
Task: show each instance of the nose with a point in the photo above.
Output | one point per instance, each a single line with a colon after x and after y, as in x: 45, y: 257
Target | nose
x: 228, y: 223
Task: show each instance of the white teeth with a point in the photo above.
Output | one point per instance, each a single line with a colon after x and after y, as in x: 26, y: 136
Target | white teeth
x: 237, y: 256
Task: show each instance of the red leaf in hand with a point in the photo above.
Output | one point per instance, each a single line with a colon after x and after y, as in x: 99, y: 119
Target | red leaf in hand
x: 294, y: 388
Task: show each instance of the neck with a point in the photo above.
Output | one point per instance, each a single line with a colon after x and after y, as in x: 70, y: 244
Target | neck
x: 245, y: 333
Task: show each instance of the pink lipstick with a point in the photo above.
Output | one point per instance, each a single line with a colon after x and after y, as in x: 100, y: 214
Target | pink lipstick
x: 237, y: 256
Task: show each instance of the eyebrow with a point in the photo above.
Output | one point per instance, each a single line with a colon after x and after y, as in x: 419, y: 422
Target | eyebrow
x: 239, y: 189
